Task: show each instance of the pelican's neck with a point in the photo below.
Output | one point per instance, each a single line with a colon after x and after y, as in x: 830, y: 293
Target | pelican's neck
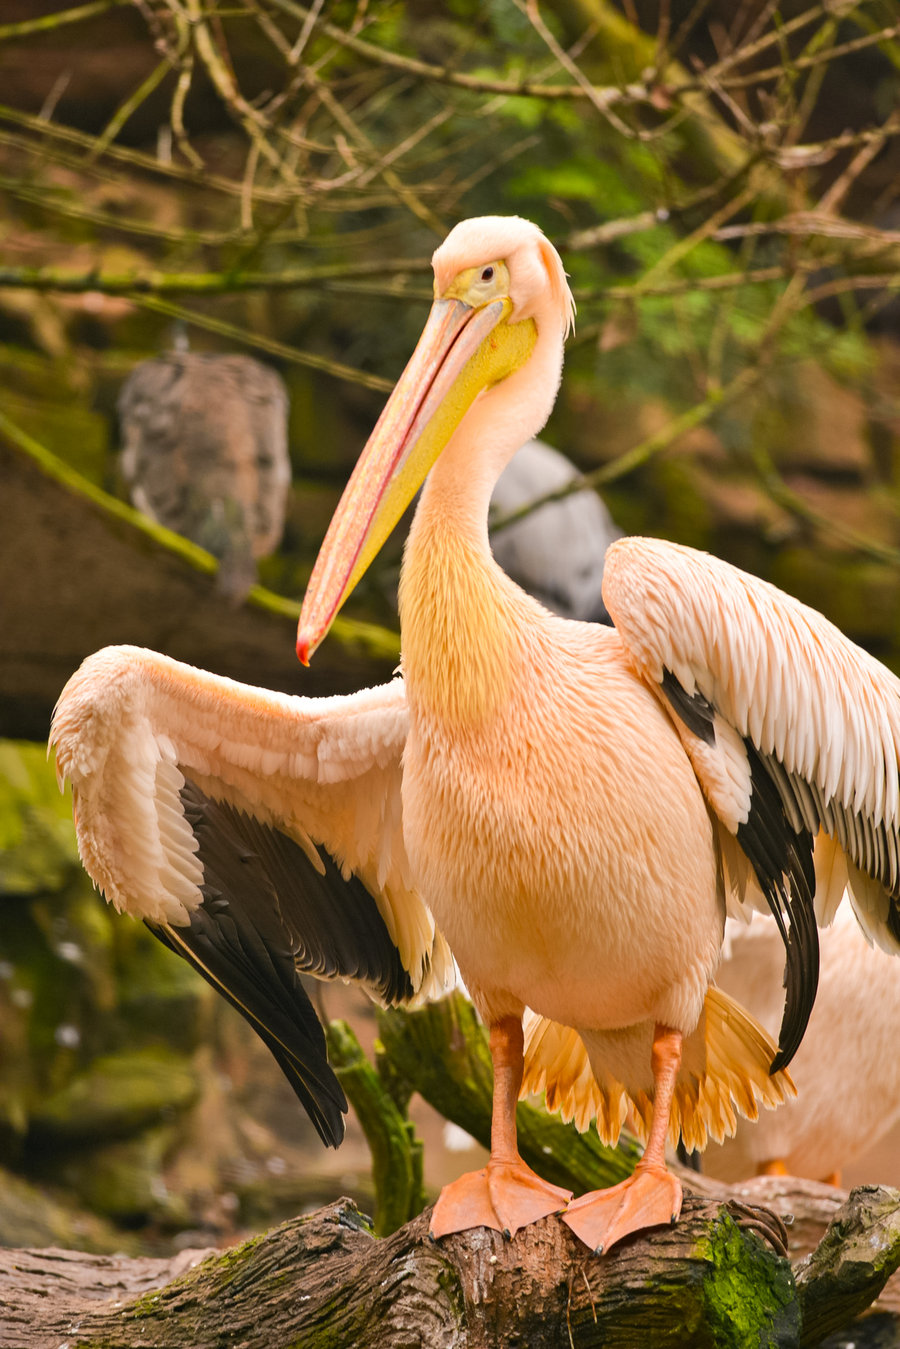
x: 458, y: 630
x: 462, y: 620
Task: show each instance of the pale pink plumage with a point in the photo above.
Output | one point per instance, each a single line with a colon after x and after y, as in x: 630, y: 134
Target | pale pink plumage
x: 847, y: 1070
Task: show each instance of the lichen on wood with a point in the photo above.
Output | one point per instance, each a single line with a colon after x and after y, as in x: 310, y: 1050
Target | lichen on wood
x: 853, y: 1262
x: 324, y: 1280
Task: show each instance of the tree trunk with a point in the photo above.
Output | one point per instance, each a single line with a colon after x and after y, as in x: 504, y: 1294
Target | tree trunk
x: 716, y: 1278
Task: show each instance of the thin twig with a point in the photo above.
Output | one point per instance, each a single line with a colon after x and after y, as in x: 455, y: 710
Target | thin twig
x: 749, y: 49
x: 57, y: 89
x: 295, y: 355
x: 150, y: 281
x: 598, y: 98
x: 309, y: 24
x: 130, y: 106
x: 134, y: 158
x: 410, y: 199
x: 801, y: 63
x: 59, y: 203
x: 640, y: 454
x: 226, y: 86
x: 26, y: 27
x: 814, y: 224
x: 684, y: 246
x: 247, y: 197
x: 796, y: 124
x: 838, y: 190
x: 725, y: 281
x: 525, y: 88
x: 609, y: 230
x: 842, y: 285
x: 182, y: 89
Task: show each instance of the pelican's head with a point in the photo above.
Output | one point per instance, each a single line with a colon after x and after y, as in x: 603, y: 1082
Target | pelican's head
x: 499, y: 284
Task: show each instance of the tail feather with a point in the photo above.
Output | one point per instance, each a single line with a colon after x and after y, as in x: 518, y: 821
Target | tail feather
x: 724, y: 1072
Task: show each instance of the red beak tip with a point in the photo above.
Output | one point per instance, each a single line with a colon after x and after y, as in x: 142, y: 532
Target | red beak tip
x: 303, y: 650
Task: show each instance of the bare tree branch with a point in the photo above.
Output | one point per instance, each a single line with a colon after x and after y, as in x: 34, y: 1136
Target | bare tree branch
x: 49, y: 22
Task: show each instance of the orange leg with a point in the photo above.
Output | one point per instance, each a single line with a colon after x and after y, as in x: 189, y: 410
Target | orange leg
x: 506, y: 1194
x: 652, y: 1195
x: 775, y: 1167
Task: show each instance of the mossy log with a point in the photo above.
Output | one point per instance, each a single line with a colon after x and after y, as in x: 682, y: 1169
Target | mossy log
x: 324, y: 1279
x: 721, y: 1276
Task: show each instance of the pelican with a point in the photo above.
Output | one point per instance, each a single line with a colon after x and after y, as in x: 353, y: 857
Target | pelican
x: 848, y: 1084
x: 567, y: 808
x: 557, y: 552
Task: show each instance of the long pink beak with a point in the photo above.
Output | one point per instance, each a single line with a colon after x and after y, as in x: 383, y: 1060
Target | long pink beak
x: 431, y: 397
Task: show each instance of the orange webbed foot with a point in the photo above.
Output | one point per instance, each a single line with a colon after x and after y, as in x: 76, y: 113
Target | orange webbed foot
x: 503, y: 1195
x: 651, y: 1197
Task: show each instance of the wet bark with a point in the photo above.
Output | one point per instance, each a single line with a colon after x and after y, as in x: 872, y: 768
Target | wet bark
x: 716, y: 1278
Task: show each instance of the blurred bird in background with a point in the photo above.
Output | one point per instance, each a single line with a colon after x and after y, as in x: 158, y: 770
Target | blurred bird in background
x: 557, y: 552
x: 848, y: 1083
x: 205, y: 452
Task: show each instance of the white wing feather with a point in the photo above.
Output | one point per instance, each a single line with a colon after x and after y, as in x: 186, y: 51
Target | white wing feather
x: 130, y: 724
x: 782, y: 676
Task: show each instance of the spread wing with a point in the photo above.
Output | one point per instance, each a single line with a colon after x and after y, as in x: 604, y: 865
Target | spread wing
x: 794, y: 734
x: 258, y: 835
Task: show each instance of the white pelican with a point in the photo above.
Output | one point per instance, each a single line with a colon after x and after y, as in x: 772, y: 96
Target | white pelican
x: 557, y: 552
x: 205, y: 452
x: 567, y: 804
x: 847, y: 1071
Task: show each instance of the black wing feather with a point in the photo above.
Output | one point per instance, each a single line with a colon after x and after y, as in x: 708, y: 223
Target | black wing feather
x: 695, y: 711
x: 267, y: 915
x: 783, y: 861
x: 284, y: 1019
x: 782, y: 857
x: 334, y: 926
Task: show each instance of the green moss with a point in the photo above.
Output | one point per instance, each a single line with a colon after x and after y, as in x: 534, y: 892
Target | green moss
x: 749, y: 1298
x: 396, y: 1150
x: 225, y: 1267
x: 146, y: 1305
x: 37, y: 840
x: 117, y: 1095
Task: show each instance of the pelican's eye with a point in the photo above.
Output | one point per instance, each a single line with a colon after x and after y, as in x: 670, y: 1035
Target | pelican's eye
x: 478, y: 286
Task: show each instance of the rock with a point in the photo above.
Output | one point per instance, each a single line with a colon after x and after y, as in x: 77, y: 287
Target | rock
x: 117, y: 1095
x: 30, y: 1216
x: 124, y: 1180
